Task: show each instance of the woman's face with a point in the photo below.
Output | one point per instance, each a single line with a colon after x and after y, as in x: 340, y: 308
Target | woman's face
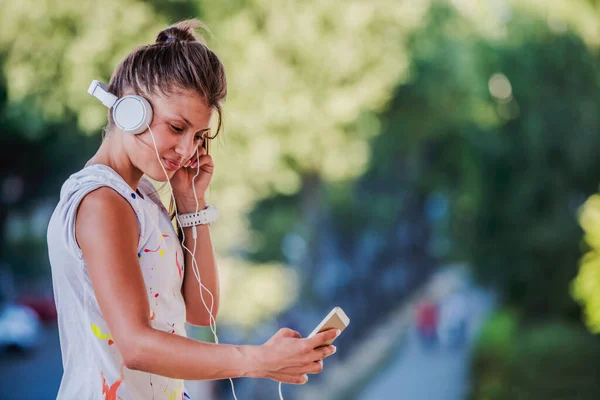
x: 180, y: 124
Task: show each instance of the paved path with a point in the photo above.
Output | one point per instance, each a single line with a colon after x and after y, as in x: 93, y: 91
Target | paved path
x: 416, y: 373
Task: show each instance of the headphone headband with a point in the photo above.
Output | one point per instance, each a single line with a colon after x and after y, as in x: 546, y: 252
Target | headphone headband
x: 100, y: 91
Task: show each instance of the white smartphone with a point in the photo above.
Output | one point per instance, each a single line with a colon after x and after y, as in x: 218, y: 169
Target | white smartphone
x: 336, y: 319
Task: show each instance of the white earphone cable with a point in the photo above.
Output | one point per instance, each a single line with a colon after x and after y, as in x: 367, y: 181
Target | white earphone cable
x: 195, y: 269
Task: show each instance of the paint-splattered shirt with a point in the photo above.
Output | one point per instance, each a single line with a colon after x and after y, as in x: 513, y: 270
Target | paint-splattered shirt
x: 93, y: 366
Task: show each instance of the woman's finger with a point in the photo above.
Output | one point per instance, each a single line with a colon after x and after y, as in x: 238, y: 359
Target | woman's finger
x: 322, y: 338
x: 204, y: 160
x: 314, y: 367
x: 287, y: 332
x: 320, y: 353
x: 294, y: 379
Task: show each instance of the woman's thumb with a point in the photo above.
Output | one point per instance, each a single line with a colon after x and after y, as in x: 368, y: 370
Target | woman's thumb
x: 287, y: 332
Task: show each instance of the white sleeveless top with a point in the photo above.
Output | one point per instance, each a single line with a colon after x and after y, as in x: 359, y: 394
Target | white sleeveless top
x: 93, y: 366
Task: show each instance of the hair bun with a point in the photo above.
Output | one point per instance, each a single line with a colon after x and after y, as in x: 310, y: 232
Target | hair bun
x: 184, y: 31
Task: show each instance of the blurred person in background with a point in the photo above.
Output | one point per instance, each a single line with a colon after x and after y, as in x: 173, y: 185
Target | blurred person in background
x: 123, y: 287
x: 427, y: 316
x: 454, y: 320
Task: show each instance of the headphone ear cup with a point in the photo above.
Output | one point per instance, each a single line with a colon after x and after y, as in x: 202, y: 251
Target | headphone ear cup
x: 132, y: 114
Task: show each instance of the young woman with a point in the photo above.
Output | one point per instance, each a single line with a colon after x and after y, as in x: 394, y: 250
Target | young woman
x: 123, y: 285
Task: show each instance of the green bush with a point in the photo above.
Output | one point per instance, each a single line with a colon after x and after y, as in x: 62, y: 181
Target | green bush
x: 494, y: 352
x: 553, y: 361
x: 556, y: 361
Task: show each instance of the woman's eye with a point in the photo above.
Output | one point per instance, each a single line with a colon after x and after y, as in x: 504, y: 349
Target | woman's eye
x: 199, y: 138
x: 177, y: 129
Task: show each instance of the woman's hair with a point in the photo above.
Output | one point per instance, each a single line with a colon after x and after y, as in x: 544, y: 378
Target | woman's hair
x: 178, y: 60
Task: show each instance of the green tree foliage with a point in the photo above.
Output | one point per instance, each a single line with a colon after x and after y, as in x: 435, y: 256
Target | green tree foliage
x: 549, y: 361
x: 586, y: 287
x: 300, y: 73
x: 505, y: 129
x: 537, y: 169
x: 494, y: 114
x: 54, y: 49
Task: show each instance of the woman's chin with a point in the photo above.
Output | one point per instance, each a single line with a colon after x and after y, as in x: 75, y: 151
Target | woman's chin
x: 159, y: 176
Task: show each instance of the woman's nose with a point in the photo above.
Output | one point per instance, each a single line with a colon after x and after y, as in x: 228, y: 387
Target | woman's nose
x: 186, y: 148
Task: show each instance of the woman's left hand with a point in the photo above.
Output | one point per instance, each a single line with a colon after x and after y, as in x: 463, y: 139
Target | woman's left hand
x: 182, y: 182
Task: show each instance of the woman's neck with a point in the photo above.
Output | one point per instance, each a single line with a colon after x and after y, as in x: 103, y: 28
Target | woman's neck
x: 112, y: 153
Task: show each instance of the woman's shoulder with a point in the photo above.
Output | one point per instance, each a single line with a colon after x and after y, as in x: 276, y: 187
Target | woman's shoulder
x: 91, y: 178
x: 97, y: 175
x: 101, y: 187
x: 94, y: 176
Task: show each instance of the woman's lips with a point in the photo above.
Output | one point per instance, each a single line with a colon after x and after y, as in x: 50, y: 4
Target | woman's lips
x: 171, y: 164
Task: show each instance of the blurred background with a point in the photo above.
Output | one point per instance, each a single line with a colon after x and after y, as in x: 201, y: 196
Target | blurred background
x: 429, y: 166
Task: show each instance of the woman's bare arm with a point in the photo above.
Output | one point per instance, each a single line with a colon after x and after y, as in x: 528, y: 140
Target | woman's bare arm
x: 197, y: 312
x: 107, y: 232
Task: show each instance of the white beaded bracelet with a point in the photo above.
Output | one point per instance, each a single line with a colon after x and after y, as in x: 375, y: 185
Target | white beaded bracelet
x: 202, y: 217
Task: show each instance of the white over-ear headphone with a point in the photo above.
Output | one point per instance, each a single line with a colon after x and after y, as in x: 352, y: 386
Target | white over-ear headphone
x: 131, y: 113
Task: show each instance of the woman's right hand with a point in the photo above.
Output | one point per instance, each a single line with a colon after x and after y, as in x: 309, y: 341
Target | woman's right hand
x: 288, y: 358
